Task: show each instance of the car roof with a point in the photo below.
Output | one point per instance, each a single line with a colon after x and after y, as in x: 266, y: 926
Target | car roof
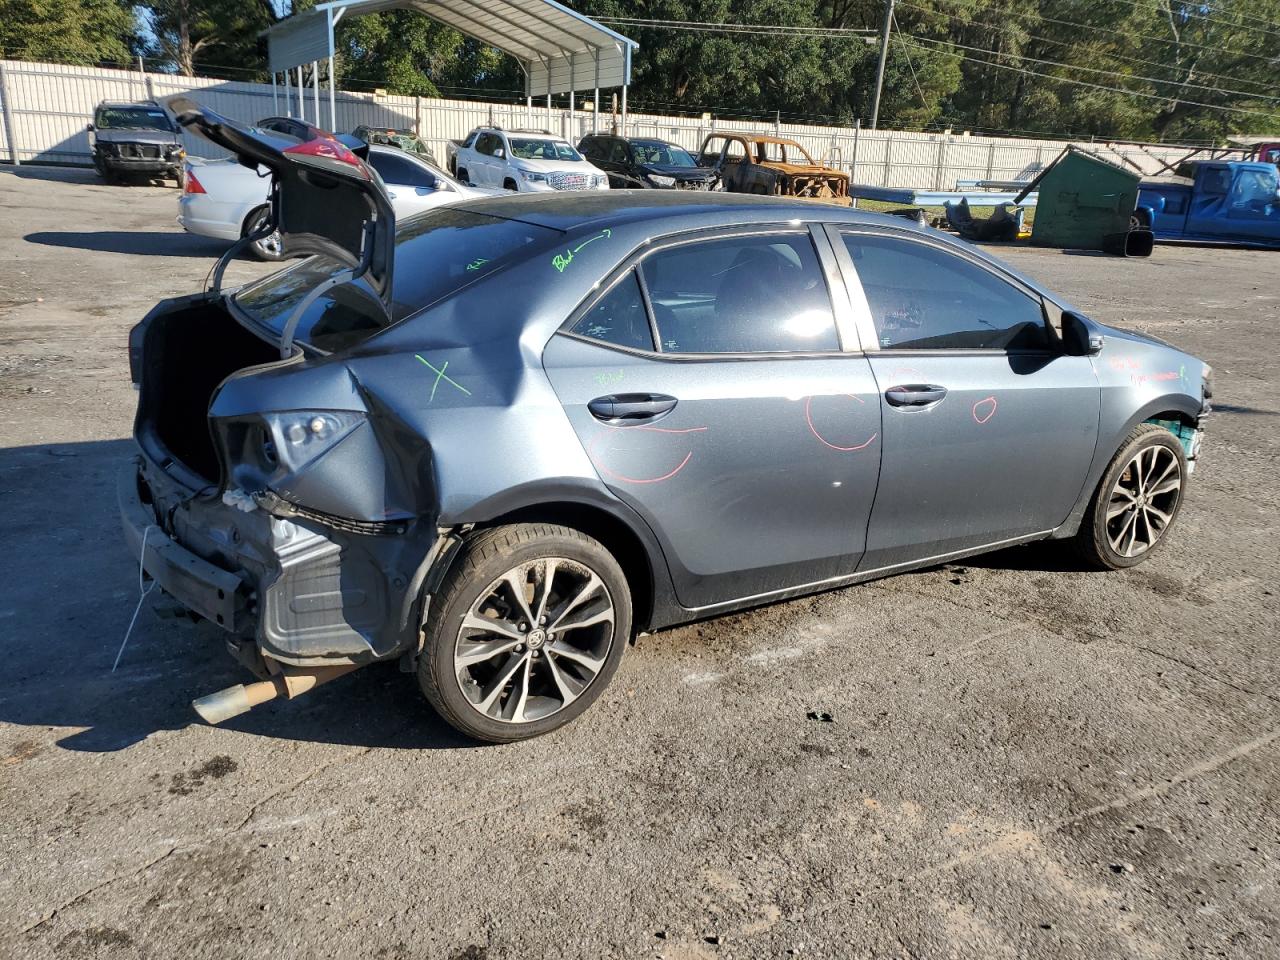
x: 668, y: 211
x: 128, y: 103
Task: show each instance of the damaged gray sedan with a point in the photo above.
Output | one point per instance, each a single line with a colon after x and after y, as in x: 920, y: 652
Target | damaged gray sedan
x: 496, y: 441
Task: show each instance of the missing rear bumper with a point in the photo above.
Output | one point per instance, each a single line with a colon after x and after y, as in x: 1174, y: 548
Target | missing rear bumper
x: 304, y: 593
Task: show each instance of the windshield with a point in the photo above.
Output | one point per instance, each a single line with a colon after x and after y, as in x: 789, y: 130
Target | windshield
x: 436, y: 253
x: 132, y: 118
x: 407, y: 141
x: 543, y: 150
x: 657, y: 153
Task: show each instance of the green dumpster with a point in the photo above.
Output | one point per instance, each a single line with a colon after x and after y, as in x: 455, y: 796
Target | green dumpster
x: 1087, y: 203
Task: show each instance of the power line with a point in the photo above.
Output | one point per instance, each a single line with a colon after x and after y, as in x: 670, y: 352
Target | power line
x: 1189, y: 13
x: 1267, y: 85
x: 1097, y: 70
x: 1096, y: 86
x: 1138, y: 36
x: 750, y: 29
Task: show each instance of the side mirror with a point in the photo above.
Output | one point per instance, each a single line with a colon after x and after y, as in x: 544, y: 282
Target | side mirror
x: 499, y: 153
x: 1078, y: 338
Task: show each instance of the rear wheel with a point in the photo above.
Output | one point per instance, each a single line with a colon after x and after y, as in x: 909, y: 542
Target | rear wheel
x: 1136, y: 502
x: 463, y: 175
x: 525, y: 633
x: 509, y: 184
x: 270, y: 247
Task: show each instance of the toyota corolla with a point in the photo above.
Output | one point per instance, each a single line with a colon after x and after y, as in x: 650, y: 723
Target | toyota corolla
x: 496, y: 441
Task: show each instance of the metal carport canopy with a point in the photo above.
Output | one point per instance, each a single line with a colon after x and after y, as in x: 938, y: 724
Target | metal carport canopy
x: 559, y: 49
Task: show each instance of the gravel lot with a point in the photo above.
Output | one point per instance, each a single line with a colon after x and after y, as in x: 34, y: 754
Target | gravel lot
x: 1022, y: 759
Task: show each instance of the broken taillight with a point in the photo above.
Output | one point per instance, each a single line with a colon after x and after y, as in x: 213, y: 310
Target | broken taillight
x: 192, y: 185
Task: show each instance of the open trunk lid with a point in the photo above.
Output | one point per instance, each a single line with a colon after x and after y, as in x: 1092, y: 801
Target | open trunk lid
x: 324, y: 198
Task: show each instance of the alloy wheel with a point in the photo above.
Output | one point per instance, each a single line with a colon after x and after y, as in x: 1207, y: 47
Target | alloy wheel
x: 534, y: 641
x: 1143, y: 501
x: 270, y: 246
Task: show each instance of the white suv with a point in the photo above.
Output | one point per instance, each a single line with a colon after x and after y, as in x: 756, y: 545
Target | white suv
x: 524, y: 160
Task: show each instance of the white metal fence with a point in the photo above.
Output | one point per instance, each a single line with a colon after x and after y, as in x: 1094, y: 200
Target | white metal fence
x: 45, y: 108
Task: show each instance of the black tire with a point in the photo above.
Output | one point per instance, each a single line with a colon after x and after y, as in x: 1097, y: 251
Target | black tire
x: 262, y: 249
x: 509, y: 184
x: 462, y: 176
x: 485, y: 558
x: 1093, y: 541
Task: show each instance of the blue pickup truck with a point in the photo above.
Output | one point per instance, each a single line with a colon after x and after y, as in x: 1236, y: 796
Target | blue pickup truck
x: 1215, y: 202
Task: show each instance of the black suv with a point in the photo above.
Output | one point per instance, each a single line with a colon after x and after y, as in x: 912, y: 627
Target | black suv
x: 135, y: 139
x: 639, y: 162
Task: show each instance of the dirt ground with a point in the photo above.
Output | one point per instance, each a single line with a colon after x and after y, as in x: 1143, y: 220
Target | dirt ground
x: 1021, y: 760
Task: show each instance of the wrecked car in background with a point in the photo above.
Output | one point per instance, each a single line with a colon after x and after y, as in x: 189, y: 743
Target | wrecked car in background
x: 1225, y: 202
x: 496, y: 440
x: 772, y: 166
x: 135, y: 139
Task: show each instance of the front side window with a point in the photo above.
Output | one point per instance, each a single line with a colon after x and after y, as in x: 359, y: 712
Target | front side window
x: 619, y: 317
x: 735, y: 151
x: 922, y: 297
x: 1254, y: 188
x: 486, y: 144
x: 618, y: 151
x: 530, y: 149
x: 749, y: 294
x: 711, y: 151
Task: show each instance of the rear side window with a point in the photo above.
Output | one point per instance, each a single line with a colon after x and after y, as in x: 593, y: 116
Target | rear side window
x: 757, y: 294
x: 619, y: 317
x: 924, y: 298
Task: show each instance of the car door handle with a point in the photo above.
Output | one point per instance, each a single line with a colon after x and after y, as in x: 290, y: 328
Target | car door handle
x: 915, y: 394
x: 624, y: 408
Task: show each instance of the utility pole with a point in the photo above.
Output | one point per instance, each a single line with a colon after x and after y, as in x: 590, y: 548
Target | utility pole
x: 884, y: 55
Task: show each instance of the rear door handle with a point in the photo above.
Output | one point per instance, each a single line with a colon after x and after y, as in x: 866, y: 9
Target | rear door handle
x: 624, y: 408
x: 915, y: 394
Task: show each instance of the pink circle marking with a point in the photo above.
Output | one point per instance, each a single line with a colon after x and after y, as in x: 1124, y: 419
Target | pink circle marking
x: 981, y: 419
x: 808, y: 416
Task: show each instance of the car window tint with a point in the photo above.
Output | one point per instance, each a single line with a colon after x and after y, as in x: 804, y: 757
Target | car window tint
x: 397, y: 169
x: 619, y: 317
x: 618, y: 151
x: 924, y: 298
x: 760, y: 294
x: 486, y: 143
x: 587, y: 147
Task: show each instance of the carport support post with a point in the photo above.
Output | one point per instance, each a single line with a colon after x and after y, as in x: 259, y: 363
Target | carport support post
x: 595, y: 108
x: 333, y: 106
x: 315, y: 89
x: 288, y: 107
x: 275, y: 96
x: 302, y: 97
x: 5, y: 90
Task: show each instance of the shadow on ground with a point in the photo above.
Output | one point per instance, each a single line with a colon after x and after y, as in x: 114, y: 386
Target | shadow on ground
x: 68, y: 588
x: 145, y: 243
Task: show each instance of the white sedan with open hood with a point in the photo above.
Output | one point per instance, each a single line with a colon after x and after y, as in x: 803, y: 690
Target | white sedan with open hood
x: 229, y: 201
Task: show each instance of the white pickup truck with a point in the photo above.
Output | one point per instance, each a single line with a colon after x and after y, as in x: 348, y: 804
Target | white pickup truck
x: 522, y: 160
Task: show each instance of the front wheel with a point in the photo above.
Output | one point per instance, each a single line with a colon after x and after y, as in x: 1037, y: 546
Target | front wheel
x: 525, y: 633
x: 1136, y: 502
